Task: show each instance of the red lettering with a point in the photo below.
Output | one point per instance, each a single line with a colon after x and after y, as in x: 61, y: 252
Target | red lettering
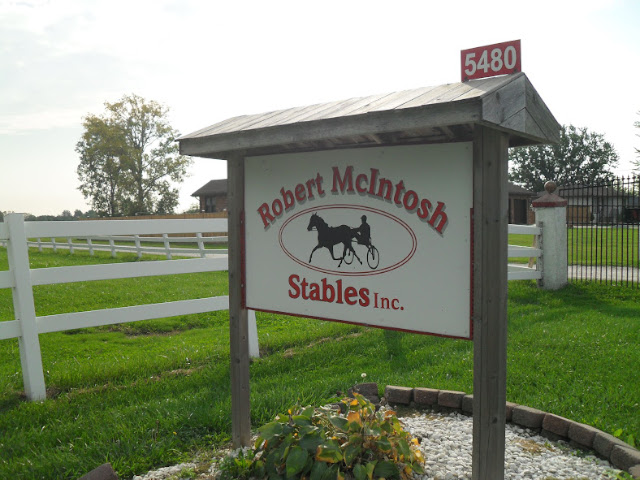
x: 385, y: 183
x: 324, y: 291
x: 292, y: 283
x: 263, y: 210
x: 319, y: 185
x: 423, y: 211
x: 345, y: 182
x: 439, y: 214
x: 328, y: 292
x: 300, y: 196
x: 349, y: 293
x: 364, y: 297
x: 399, y: 189
x: 410, y: 204
x: 276, y: 207
x: 304, y: 289
x: 314, y: 293
x: 310, y: 183
x: 359, y: 179
x: 372, y: 185
x: 395, y: 304
x: 287, y: 197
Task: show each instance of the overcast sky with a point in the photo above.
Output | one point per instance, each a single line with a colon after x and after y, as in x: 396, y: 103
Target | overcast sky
x: 210, y: 60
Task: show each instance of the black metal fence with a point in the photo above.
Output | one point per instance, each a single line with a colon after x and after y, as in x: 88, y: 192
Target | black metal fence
x: 602, y: 231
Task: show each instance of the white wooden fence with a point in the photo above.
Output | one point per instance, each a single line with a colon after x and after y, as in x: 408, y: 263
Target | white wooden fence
x: 533, y: 270
x: 26, y: 326
x: 134, y: 243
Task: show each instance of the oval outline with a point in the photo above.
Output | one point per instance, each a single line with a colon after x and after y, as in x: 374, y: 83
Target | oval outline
x: 395, y: 266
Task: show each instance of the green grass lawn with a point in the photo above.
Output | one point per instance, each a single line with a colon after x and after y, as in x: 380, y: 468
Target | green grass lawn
x: 609, y: 245
x: 154, y: 393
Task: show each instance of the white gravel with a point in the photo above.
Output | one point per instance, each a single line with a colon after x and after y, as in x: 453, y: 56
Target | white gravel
x: 446, y: 440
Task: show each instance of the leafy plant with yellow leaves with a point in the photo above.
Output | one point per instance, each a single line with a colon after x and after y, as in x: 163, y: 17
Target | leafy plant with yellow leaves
x: 326, y: 444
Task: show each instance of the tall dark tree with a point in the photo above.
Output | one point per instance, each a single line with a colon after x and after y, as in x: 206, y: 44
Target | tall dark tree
x: 129, y: 159
x: 101, y: 173
x: 581, y: 157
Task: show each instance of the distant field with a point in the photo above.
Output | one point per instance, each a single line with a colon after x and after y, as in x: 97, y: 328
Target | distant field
x: 153, y: 393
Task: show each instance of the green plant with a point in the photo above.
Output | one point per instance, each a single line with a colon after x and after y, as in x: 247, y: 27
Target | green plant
x: 237, y: 465
x: 630, y: 439
x: 324, y: 443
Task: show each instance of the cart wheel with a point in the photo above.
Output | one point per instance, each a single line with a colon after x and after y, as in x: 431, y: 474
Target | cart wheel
x: 373, y: 257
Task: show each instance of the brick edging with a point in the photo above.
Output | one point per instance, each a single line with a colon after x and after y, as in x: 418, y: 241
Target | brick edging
x: 620, y: 454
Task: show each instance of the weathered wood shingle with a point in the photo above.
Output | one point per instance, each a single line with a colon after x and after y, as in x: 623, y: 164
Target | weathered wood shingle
x: 424, y: 115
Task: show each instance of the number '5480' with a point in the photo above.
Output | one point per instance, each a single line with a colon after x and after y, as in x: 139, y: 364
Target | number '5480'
x: 491, y: 60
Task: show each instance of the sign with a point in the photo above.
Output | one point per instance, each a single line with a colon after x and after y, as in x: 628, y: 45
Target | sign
x: 491, y: 60
x: 375, y: 236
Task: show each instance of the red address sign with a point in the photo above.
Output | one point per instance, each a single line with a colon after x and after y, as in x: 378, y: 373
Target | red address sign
x: 490, y: 60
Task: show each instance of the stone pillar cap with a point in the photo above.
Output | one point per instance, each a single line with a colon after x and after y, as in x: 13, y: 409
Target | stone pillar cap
x: 549, y: 199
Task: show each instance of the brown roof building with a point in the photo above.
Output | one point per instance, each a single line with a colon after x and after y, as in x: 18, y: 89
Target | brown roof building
x: 212, y: 196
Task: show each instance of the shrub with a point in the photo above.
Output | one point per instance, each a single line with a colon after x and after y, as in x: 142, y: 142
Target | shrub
x: 326, y: 444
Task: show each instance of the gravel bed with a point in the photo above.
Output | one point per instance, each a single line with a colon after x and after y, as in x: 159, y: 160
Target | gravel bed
x: 446, y: 440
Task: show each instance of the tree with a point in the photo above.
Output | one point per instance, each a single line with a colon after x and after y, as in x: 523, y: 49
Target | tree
x: 129, y: 159
x: 581, y: 157
x: 193, y: 208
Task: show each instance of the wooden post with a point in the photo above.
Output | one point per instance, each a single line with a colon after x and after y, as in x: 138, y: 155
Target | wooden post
x: 490, y: 302
x: 200, y: 244
x: 167, y: 246
x: 136, y: 239
x: 238, y: 321
x: 24, y: 308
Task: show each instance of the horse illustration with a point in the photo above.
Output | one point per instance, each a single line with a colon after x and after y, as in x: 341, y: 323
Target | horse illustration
x: 330, y: 236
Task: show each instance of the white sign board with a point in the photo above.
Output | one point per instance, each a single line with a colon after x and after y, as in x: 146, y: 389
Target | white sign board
x: 372, y: 236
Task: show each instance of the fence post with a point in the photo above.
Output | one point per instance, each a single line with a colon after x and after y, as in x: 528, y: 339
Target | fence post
x: 53, y: 244
x: 24, y: 308
x: 70, y: 243
x: 551, y: 215
x: 113, y: 247
x: 39, y: 245
x: 90, y: 246
x: 200, y: 244
x: 136, y: 239
x: 167, y: 247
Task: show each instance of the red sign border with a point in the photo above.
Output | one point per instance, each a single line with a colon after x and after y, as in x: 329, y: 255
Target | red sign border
x: 490, y: 73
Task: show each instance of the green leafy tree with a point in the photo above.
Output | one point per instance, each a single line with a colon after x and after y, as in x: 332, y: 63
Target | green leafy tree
x: 193, y: 208
x: 100, y: 171
x: 129, y: 159
x: 581, y: 157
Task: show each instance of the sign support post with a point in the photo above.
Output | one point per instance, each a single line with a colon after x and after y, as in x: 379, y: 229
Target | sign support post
x: 238, y: 320
x: 490, y: 302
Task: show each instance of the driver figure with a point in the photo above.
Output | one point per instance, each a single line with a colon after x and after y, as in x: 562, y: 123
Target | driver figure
x: 363, y: 232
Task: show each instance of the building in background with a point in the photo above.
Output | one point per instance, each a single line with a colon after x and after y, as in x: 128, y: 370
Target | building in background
x: 212, y: 196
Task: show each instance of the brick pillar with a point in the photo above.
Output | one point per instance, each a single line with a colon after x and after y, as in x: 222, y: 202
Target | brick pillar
x: 551, y: 212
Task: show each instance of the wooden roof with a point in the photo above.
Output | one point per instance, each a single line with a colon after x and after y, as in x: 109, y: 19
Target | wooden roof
x: 211, y: 188
x: 443, y: 113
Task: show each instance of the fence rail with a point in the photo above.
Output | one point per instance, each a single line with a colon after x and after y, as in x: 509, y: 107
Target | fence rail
x: 531, y: 271
x: 133, y: 243
x: 27, y: 326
